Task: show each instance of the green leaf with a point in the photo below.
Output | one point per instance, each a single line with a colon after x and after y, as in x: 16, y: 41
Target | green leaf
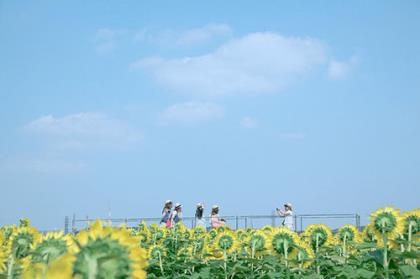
x: 410, y: 271
x: 364, y: 273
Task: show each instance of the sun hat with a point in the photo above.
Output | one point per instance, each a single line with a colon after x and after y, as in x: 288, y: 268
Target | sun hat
x: 168, y: 201
x: 200, y: 204
x: 288, y: 204
x: 178, y: 205
x: 215, y: 207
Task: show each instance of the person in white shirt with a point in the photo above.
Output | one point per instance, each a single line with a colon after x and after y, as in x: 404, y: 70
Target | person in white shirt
x: 287, y: 214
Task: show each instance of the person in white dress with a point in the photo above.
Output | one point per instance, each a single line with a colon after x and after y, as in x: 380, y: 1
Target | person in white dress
x: 200, y: 221
x: 287, y: 214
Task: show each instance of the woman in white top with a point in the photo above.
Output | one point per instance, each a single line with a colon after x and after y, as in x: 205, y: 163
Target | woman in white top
x: 287, y: 213
x: 199, y: 216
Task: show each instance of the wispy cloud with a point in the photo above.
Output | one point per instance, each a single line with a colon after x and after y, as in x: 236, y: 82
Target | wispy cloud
x: 249, y: 122
x: 342, y: 69
x: 204, y: 34
x: 191, y: 113
x: 41, y: 165
x: 106, y: 39
x: 183, y: 38
x: 83, y: 130
x: 254, y: 64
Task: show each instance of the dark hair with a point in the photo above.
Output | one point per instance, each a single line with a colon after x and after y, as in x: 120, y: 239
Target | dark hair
x: 199, y: 213
x: 215, y: 211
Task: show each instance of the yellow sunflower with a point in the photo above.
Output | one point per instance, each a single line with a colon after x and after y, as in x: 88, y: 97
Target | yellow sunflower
x: 50, y: 247
x: 305, y: 255
x: 199, y: 232
x: 368, y: 234
x: 3, y: 259
x: 157, y: 252
x: 60, y: 268
x: 226, y: 241
x: 411, y: 222
x: 257, y: 243
x: 283, y: 243
x: 347, y: 235
x: 388, y: 226
x: 22, y: 241
x: 318, y: 235
x: 387, y: 222
x: 108, y: 251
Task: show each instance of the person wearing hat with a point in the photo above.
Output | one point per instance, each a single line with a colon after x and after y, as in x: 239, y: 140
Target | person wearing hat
x: 166, y: 212
x: 176, y: 216
x: 215, y: 219
x: 199, y: 216
x: 287, y: 214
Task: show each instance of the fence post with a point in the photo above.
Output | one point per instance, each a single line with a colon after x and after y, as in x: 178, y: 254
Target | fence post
x: 301, y: 223
x: 246, y: 222
x: 66, y: 225
x: 358, y: 221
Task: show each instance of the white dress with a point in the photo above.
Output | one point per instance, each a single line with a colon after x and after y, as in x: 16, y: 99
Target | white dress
x: 288, y: 219
x: 200, y: 222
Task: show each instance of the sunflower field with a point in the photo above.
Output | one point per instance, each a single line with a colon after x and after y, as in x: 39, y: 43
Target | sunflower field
x: 388, y: 247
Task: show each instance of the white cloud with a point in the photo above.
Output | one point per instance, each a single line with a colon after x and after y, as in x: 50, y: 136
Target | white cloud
x: 254, y: 64
x: 342, y: 69
x: 249, y: 122
x: 184, y: 38
x: 204, y: 34
x: 41, y: 165
x: 83, y: 129
x: 191, y: 113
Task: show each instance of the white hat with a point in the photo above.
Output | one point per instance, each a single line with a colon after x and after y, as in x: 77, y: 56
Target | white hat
x: 200, y: 204
x: 178, y: 205
x: 168, y: 202
x: 288, y: 204
x: 215, y: 206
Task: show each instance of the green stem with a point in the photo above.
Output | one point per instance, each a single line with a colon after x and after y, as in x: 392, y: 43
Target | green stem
x: 252, y: 256
x: 410, y: 232
x: 386, y: 264
x: 161, y: 264
x: 10, y: 266
x: 225, y: 263
x: 318, y: 269
x: 300, y: 262
x: 285, y: 247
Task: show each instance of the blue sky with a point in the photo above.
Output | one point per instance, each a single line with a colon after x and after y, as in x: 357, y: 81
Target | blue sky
x: 127, y: 104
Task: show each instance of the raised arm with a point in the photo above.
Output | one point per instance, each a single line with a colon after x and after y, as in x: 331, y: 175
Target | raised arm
x: 283, y: 213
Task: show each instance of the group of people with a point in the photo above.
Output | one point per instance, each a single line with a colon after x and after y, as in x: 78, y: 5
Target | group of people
x: 171, y: 215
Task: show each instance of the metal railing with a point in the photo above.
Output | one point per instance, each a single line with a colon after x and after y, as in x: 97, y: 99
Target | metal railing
x: 235, y: 222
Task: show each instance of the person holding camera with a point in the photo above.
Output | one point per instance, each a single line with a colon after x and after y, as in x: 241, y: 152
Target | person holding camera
x: 199, y: 216
x: 287, y: 214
